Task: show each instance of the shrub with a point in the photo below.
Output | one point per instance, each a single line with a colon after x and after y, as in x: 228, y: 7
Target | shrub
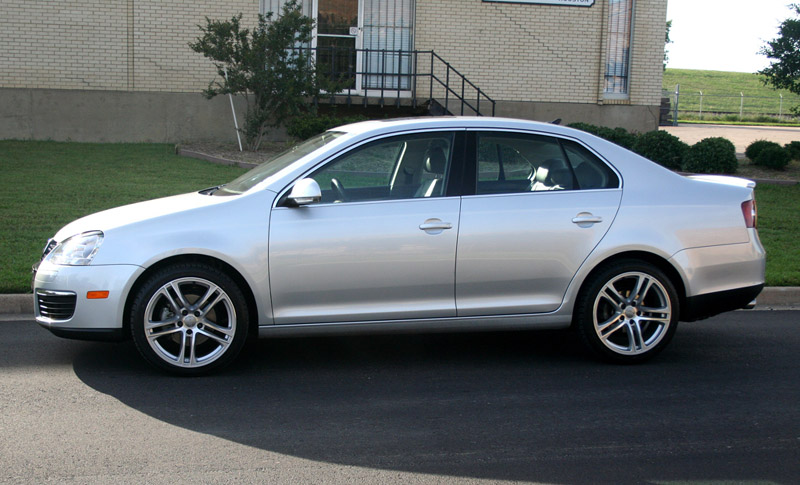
x: 306, y: 126
x: 775, y: 158
x: 618, y: 135
x: 753, y: 149
x: 661, y: 147
x: 711, y: 155
x: 794, y: 149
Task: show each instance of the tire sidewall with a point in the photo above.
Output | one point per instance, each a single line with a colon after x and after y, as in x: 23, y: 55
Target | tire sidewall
x: 188, y: 270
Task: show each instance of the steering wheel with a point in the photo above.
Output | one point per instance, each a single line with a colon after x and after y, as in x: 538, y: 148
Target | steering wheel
x: 337, y: 187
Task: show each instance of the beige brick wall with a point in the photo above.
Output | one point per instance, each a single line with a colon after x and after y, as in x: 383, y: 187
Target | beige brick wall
x: 134, y: 45
x: 515, y: 52
x: 525, y: 52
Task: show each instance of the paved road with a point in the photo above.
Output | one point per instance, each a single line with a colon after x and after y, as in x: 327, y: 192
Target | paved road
x: 721, y: 404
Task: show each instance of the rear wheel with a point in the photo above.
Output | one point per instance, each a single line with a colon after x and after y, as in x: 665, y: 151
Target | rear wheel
x: 189, y: 319
x: 627, y: 312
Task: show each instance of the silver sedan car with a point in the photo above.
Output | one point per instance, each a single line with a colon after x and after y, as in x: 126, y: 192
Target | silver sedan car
x: 432, y: 224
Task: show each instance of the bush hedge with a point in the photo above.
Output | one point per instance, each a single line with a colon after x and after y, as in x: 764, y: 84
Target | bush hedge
x: 753, y: 149
x: 711, y: 155
x: 306, y: 126
x: 661, y: 147
x: 775, y: 158
x: 794, y: 149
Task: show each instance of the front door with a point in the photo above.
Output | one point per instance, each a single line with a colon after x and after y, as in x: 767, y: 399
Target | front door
x: 380, y: 245
x: 338, y: 41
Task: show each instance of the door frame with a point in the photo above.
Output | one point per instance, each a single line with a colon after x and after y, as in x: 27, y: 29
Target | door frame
x: 359, y: 43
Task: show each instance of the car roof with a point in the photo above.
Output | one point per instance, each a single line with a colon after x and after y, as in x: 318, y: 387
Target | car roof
x: 456, y: 122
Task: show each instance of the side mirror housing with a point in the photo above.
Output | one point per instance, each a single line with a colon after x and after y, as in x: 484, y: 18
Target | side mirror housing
x: 304, y: 192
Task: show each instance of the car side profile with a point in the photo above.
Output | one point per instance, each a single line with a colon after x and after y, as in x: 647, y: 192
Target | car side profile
x: 428, y: 224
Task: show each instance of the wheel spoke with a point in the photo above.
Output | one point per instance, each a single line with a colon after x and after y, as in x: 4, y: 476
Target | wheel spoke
x: 211, y: 305
x: 165, y: 293
x: 201, y: 302
x: 646, y: 309
x: 192, y: 341
x: 616, y: 319
x: 637, y: 344
x: 223, y: 330
x: 611, y: 294
x: 647, y: 318
x: 152, y: 324
x: 182, y: 353
x: 177, y: 290
x: 643, y: 284
x: 223, y: 342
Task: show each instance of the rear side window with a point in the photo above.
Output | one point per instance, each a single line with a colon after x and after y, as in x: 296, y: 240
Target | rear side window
x: 590, y: 171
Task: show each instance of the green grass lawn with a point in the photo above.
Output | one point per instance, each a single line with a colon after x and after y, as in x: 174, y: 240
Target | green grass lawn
x: 722, y: 92
x: 48, y: 184
x: 779, y: 229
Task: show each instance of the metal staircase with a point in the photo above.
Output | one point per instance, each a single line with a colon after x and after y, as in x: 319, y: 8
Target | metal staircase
x: 399, y: 78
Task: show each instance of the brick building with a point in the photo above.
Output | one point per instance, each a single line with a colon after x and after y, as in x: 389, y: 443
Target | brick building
x: 121, y: 70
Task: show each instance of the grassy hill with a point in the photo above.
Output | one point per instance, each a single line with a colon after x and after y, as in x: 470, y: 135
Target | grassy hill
x: 722, y: 92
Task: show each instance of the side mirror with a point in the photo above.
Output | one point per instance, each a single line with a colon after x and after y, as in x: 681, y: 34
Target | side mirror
x: 304, y: 192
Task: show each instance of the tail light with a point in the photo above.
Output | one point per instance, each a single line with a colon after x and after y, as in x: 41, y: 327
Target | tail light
x: 750, y: 213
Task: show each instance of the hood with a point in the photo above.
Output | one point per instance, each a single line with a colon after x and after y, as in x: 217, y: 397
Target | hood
x: 133, y: 213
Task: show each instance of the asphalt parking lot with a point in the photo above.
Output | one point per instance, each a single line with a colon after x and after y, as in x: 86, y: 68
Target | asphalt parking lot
x: 719, y: 405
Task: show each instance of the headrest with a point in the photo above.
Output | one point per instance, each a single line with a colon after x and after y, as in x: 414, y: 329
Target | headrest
x: 435, y: 160
x: 542, y: 172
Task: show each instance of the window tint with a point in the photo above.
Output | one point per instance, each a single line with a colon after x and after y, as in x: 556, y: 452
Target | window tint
x: 515, y: 163
x: 399, y: 167
x: 590, y: 171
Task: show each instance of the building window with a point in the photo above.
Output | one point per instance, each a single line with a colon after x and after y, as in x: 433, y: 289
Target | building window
x: 620, y: 30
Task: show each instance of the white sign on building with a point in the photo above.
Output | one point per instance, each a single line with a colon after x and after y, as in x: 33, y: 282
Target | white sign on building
x: 569, y: 3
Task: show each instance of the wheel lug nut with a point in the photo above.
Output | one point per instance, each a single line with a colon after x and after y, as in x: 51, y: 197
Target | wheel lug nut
x: 197, y: 313
x: 184, y: 312
x: 200, y: 326
x: 189, y: 332
x: 180, y: 324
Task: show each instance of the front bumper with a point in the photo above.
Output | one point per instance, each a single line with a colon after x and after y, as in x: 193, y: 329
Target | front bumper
x: 61, y: 304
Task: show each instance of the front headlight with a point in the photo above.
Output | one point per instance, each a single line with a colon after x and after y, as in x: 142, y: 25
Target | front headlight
x: 78, y: 250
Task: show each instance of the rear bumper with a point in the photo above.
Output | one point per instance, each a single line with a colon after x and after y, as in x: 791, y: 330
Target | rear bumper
x: 710, y: 304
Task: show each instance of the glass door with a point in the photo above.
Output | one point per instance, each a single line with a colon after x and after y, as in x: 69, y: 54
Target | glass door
x: 338, y: 40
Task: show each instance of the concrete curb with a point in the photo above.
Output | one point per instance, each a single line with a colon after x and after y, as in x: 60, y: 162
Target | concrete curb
x: 771, y: 297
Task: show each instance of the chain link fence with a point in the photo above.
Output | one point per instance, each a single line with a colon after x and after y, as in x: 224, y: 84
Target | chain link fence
x: 696, y: 105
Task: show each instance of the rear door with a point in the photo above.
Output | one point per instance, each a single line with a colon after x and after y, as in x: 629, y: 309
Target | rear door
x: 538, y: 207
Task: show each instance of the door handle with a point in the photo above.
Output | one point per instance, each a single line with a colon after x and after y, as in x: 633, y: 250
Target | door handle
x: 434, y: 226
x: 586, y: 218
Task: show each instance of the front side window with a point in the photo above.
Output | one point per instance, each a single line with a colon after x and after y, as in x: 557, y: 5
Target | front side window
x: 620, y: 23
x: 400, y: 167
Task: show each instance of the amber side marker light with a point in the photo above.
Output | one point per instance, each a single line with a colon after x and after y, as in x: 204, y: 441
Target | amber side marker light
x: 96, y: 295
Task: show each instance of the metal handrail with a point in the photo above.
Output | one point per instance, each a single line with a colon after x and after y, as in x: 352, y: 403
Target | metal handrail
x: 407, y: 65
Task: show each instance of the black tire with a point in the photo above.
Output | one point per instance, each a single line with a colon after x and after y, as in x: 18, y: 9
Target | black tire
x: 613, y: 320
x: 212, y: 331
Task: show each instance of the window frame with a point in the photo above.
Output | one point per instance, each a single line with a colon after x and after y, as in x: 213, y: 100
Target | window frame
x: 470, y: 176
x: 453, y: 177
x: 611, y: 95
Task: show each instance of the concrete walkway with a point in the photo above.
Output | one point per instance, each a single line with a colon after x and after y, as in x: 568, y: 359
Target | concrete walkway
x: 741, y: 136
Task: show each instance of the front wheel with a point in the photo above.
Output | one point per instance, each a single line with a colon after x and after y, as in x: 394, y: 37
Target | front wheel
x: 189, y: 319
x: 627, y: 312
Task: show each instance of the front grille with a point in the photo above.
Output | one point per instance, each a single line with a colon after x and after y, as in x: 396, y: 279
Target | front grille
x: 56, y: 305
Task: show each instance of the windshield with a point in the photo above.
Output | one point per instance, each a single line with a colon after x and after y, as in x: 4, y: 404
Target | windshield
x: 250, y: 179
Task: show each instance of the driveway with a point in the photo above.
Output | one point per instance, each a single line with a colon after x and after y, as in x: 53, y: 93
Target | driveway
x: 741, y: 136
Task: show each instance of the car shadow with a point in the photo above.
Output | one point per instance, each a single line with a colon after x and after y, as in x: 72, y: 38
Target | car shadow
x: 516, y: 406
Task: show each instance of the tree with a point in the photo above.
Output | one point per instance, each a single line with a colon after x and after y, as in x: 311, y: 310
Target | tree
x: 266, y: 65
x: 784, y: 72
x: 667, y: 41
